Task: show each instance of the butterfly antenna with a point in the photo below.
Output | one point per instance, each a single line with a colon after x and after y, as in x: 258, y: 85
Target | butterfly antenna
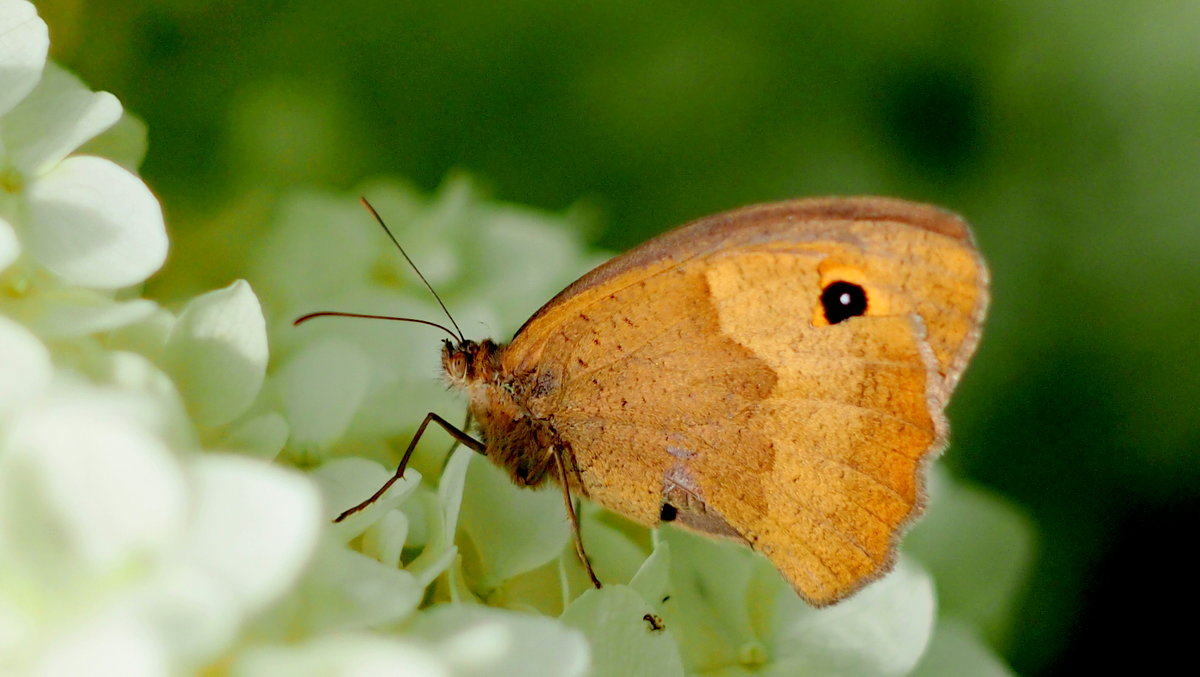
x: 428, y: 286
x: 334, y: 313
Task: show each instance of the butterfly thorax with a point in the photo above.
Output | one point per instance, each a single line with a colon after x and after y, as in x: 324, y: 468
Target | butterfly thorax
x: 514, y: 439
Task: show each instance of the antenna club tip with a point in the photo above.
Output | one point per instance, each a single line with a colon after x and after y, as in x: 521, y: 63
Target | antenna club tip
x: 362, y: 200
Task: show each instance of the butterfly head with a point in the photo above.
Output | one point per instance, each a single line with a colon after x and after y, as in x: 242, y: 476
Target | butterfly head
x: 467, y: 362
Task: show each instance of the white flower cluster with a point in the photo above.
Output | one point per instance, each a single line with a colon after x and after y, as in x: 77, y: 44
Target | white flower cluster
x: 129, y: 544
x: 145, y: 530
x: 121, y: 545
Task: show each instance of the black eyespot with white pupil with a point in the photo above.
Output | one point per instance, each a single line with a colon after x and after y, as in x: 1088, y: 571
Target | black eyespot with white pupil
x: 842, y: 301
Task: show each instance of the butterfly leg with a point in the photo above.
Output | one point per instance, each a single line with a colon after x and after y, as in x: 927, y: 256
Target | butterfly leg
x: 564, y: 481
x: 459, y: 436
x: 454, y: 445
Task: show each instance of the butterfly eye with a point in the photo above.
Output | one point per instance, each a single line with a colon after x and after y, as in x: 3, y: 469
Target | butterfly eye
x: 843, y: 300
x: 458, y: 365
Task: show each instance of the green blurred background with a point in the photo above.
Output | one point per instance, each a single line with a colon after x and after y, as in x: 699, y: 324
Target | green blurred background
x: 1068, y: 133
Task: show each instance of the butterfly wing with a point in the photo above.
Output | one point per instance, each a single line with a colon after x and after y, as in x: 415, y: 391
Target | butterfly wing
x: 700, y: 372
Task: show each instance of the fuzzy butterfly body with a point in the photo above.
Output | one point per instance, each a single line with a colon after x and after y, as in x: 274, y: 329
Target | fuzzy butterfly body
x: 774, y: 375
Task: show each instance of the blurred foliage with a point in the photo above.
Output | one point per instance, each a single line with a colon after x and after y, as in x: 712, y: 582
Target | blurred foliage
x: 1068, y: 133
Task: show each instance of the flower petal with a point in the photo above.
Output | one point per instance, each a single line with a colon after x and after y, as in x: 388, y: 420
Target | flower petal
x: 451, y: 487
x: 614, y: 552
x: 253, y: 527
x: 978, y: 548
x: 57, y: 116
x: 134, y: 373
x: 385, y: 540
x: 707, y: 610
x: 883, y: 630
x: 321, y: 387
x: 69, y: 312
x: 346, y: 481
x: 498, y: 514
x: 217, y: 353
x: 362, y: 655
x: 347, y: 591
x: 86, y: 487
x: 652, y: 580
x: 119, y: 642
x: 294, y: 263
x: 24, y: 42
x: 24, y: 362
x: 622, y: 641
x: 194, y: 615
x: 147, y: 336
x: 10, y: 248
x: 957, y: 650
x: 261, y: 437
x: 481, y: 641
x: 95, y: 224
x: 442, y: 524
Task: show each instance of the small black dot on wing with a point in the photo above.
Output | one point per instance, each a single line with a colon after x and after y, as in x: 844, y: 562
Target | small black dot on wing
x: 668, y: 513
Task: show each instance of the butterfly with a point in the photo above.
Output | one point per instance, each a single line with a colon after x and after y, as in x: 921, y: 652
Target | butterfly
x: 774, y: 375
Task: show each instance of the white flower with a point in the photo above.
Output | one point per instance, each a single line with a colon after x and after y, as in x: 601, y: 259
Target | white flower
x: 623, y: 640
x: 479, y: 642
x: 110, y: 539
x: 94, y: 224
x: 24, y: 362
x: 448, y: 641
x: 321, y: 387
x: 22, y: 51
x: 733, y: 614
x: 217, y: 353
x: 83, y: 218
x: 535, y: 519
